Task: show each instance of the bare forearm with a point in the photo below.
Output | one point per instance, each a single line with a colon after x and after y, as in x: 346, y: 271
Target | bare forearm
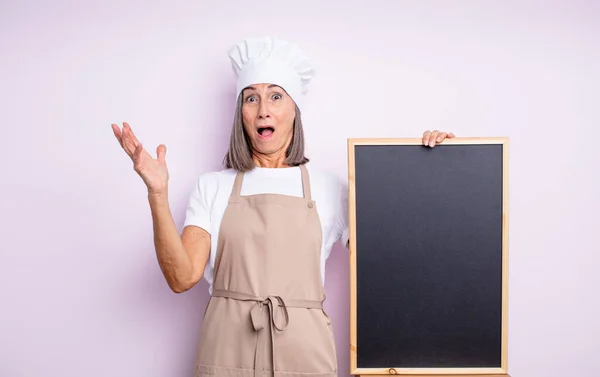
x: 170, y: 251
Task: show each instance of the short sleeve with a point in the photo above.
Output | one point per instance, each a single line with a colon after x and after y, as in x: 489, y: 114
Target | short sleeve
x: 343, y: 226
x: 198, y: 210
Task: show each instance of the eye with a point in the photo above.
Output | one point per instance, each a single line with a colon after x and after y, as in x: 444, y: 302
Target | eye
x: 251, y: 99
x: 277, y: 96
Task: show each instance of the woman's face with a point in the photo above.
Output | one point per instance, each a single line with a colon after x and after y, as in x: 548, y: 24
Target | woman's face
x: 268, y: 114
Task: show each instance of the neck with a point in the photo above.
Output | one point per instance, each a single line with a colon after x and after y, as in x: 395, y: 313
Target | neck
x: 269, y: 161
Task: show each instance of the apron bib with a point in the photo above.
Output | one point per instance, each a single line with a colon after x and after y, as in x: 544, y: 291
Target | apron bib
x: 265, y: 316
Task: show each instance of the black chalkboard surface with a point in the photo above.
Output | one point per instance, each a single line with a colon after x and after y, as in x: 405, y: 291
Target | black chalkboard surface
x: 428, y: 256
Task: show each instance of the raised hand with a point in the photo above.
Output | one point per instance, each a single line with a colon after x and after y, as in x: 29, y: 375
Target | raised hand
x: 153, y: 171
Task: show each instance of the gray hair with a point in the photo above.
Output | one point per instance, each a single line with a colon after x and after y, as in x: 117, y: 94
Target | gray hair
x: 239, y: 155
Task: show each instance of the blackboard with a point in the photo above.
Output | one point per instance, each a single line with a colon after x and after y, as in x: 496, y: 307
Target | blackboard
x: 429, y: 256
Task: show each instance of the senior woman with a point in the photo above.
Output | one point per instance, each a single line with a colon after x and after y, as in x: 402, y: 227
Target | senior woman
x: 260, y: 230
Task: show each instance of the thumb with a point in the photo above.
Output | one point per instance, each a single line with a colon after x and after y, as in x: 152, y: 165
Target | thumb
x: 161, y: 152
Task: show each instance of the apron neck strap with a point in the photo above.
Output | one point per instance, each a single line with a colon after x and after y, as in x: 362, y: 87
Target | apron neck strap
x: 239, y: 177
x: 305, y: 182
x: 237, y: 185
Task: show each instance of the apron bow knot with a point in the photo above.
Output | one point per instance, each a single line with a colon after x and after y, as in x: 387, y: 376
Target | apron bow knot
x: 273, y: 305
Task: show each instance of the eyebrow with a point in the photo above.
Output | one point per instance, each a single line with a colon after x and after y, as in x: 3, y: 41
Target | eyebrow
x: 253, y: 88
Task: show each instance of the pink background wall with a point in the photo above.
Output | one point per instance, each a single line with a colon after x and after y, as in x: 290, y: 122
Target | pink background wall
x: 80, y: 289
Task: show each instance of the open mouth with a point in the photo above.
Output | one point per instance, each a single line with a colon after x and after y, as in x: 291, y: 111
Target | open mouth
x: 266, y: 131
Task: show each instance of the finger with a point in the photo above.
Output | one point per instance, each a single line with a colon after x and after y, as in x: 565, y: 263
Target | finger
x: 126, y: 144
x: 426, y: 137
x: 133, y: 137
x: 124, y: 140
x: 118, y: 133
x: 128, y: 141
x: 451, y: 135
x: 441, y: 137
x: 161, y: 152
x: 432, y: 138
x: 137, y: 155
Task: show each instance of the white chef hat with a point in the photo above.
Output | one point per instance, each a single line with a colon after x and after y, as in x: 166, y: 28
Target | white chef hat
x: 272, y: 60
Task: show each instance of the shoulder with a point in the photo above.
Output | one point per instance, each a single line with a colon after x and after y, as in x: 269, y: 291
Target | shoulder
x: 326, y: 180
x: 324, y: 176
x: 209, y: 184
x: 212, y: 178
x: 331, y: 194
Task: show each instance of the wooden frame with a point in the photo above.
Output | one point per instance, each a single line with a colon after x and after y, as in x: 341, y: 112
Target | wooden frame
x: 422, y: 372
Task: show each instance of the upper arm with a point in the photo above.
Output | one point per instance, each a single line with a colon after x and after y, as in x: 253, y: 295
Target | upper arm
x: 196, y: 242
x: 196, y: 236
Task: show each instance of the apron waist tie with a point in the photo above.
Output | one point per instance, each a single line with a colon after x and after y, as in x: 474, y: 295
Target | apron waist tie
x: 273, y: 304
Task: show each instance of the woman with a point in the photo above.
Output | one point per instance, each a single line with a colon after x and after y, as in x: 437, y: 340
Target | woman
x: 260, y: 230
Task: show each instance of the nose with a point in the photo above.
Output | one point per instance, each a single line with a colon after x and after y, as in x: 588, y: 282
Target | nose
x: 263, y: 112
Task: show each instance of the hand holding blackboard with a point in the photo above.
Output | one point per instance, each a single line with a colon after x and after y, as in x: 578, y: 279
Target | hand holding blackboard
x: 431, y: 138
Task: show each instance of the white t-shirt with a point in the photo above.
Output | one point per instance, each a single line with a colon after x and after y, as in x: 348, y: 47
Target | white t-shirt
x: 210, y: 197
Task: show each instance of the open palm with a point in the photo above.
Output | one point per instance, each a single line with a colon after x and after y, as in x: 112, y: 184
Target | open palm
x: 153, y: 171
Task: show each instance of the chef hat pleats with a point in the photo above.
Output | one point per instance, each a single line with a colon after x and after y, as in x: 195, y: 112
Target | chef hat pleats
x: 274, y: 61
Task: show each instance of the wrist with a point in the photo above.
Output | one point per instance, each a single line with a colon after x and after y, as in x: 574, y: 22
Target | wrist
x: 158, y: 196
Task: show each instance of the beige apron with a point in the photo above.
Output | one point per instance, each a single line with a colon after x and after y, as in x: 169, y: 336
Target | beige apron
x: 266, y: 311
